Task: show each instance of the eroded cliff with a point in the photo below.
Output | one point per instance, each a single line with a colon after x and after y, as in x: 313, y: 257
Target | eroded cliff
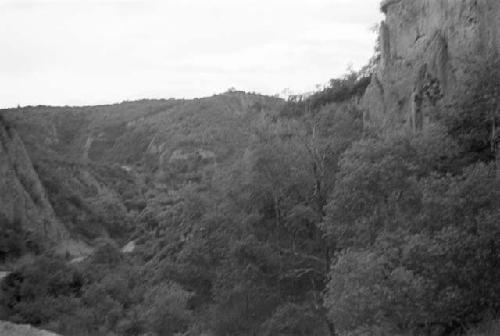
x: 22, y: 197
x: 428, y: 48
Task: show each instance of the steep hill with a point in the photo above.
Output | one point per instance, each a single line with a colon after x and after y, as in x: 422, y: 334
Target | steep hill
x: 23, y: 199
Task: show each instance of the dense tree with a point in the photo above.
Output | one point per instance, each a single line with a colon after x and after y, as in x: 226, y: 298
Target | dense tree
x: 319, y: 226
x: 12, y: 239
x: 165, y: 309
x: 410, y: 236
x: 473, y: 116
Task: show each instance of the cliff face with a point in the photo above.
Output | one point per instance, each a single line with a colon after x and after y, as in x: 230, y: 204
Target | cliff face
x: 427, y: 50
x: 22, y: 197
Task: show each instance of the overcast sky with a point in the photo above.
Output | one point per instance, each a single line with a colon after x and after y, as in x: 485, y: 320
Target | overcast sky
x: 74, y: 52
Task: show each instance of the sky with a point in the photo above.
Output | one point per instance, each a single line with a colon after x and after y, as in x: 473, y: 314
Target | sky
x: 87, y: 52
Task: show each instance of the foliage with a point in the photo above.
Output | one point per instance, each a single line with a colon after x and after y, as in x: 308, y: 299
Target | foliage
x: 293, y: 319
x: 31, y: 294
x: 165, y: 310
x: 338, y: 91
x: 309, y: 225
x: 99, y: 297
x: 415, y: 231
x: 473, y: 116
x: 12, y: 240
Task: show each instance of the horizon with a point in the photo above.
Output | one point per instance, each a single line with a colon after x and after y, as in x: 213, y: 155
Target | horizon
x: 87, y: 52
x: 142, y: 99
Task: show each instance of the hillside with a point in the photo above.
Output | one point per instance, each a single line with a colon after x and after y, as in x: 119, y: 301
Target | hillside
x: 93, y: 162
x: 132, y: 132
x: 24, y: 205
x: 370, y: 207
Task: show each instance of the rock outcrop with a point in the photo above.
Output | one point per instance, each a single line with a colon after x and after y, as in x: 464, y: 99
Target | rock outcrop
x: 22, y: 196
x: 11, y: 329
x: 428, y: 48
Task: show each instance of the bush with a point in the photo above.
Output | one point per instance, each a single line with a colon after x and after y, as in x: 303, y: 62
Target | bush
x: 12, y: 240
x: 165, y: 310
x: 295, y: 320
x: 40, y: 292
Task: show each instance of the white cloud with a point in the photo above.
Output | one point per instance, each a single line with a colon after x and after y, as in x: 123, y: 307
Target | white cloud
x: 100, y: 51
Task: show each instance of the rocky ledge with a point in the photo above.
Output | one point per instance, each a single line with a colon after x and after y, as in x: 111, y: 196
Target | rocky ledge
x: 11, y: 329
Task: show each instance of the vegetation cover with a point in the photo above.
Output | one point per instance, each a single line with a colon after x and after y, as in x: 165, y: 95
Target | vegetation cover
x: 316, y: 225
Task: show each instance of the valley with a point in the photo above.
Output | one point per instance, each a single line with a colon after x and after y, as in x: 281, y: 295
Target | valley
x: 368, y: 207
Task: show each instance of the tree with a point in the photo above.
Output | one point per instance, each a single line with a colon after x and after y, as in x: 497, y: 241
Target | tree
x: 12, y: 239
x: 472, y: 117
x: 295, y: 320
x: 165, y: 309
x: 374, y: 191
x: 418, y: 243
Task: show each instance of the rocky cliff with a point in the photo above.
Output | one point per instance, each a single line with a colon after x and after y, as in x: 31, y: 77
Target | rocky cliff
x: 428, y: 48
x: 22, y: 197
